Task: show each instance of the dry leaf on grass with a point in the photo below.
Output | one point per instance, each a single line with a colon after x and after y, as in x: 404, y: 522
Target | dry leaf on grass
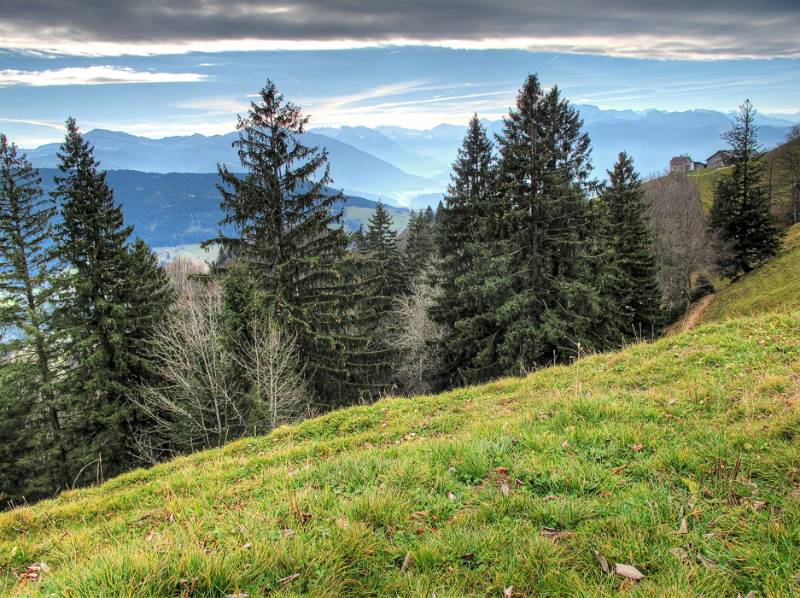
x: 637, y: 447
x: 603, y: 562
x: 680, y: 554
x: 684, y: 527
x: 407, y: 562
x: 508, y: 592
x: 554, y: 534
x: 628, y: 572
x: 505, y: 489
x: 707, y: 562
x: 288, y: 579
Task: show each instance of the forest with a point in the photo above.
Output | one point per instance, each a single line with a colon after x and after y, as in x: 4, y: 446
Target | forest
x: 110, y: 360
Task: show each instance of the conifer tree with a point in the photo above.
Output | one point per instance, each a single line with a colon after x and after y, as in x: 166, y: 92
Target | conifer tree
x: 466, y: 245
x: 634, y: 290
x: 386, y: 270
x: 740, y: 216
x: 115, y: 294
x: 420, y: 243
x: 543, y: 180
x: 27, y: 284
x: 289, y: 237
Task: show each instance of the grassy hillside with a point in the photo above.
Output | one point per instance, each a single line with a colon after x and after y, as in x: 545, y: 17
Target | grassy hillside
x: 706, y: 180
x: 680, y: 458
x: 774, y: 286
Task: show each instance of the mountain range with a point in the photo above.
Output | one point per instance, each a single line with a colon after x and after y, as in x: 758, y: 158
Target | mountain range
x: 171, y: 210
x: 411, y: 167
x: 167, y: 187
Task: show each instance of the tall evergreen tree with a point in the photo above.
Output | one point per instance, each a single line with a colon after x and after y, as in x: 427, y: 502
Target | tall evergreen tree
x: 543, y: 180
x: 740, y: 216
x: 27, y: 278
x: 288, y: 235
x: 386, y: 270
x: 420, y: 242
x: 634, y: 289
x: 467, y: 245
x: 115, y: 294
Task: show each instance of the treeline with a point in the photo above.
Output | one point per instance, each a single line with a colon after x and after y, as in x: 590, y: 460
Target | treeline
x: 111, y: 361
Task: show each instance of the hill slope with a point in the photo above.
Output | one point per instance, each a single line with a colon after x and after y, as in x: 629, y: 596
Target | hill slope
x: 515, y: 483
x: 775, y: 286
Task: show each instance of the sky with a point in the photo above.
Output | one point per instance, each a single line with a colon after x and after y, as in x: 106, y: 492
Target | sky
x: 176, y: 67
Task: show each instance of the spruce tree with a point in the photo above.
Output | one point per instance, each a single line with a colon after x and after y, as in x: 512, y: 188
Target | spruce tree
x: 386, y: 270
x: 115, y: 294
x: 543, y: 181
x: 27, y: 283
x: 467, y: 247
x: 740, y: 217
x: 420, y: 247
x: 634, y: 289
x: 288, y: 235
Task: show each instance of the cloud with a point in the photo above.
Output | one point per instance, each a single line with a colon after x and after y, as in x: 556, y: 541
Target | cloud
x: 91, y: 75
x: 679, y: 29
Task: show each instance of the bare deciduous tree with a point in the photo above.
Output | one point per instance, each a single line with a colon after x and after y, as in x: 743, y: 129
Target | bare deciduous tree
x: 416, y: 339
x: 683, y: 244
x: 202, y: 400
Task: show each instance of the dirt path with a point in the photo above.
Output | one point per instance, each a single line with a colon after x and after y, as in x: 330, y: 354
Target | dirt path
x: 693, y: 316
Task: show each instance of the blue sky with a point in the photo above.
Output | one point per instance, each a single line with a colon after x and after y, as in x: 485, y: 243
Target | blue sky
x: 167, y: 67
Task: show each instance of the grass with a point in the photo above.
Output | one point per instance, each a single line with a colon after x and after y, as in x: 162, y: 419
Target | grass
x: 613, y: 452
x: 775, y: 286
x: 705, y: 180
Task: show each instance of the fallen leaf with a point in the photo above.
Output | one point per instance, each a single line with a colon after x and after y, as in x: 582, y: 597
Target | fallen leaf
x: 407, y: 562
x: 554, y: 534
x: 565, y: 444
x: 505, y: 489
x: 288, y: 579
x: 684, y: 528
x: 680, y: 554
x: 620, y: 469
x: 237, y: 595
x: 637, y: 447
x: 672, y: 401
x: 758, y: 505
x: 549, y: 497
x: 603, y: 562
x: 605, y: 493
x: 508, y: 592
x: 628, y: 572
x: 451, y: 496
x: 707, y: 563
x: 501, y: 470
x: 287, y: 532
x: 247, y: 546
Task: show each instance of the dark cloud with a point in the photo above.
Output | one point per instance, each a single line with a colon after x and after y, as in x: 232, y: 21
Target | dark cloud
x: 677, y: 28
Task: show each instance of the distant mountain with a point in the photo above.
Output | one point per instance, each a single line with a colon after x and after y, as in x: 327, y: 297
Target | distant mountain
x: 353, y: 170
x: 652, y: 137
x: 379, y: 145
x: 184, y: 208
x: 411, y: 167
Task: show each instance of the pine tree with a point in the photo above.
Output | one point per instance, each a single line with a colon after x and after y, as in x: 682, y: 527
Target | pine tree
x: 741, y: 218
x: 543, y: 180
x: 27, y: 277
x: 386, y: 271
x: 289, y: 237
x: 420, y: 247
x: 467, y: 245
x: 634, y: 289
x: 115, y: 294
